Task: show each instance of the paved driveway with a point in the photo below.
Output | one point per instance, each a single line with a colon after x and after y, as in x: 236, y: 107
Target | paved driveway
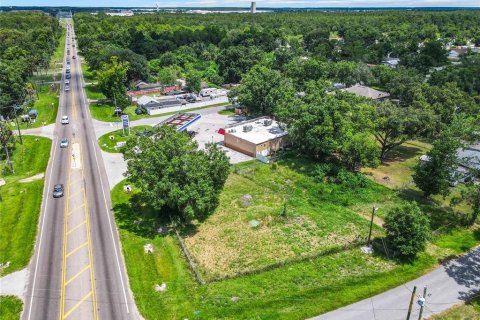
x: 452, y: 283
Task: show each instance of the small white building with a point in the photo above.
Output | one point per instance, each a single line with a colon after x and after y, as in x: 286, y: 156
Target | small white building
x: 256, y: 137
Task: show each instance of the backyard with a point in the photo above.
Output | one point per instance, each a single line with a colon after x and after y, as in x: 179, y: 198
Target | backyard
x: 286, y: 267
x: 22, y: 196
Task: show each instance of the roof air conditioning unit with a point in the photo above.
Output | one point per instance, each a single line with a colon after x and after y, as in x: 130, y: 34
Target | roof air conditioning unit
x: 267, y: 122
x: 247, y: 128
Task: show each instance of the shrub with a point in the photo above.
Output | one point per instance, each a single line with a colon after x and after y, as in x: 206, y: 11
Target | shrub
x: 407, y: 229
x: 351, y: 180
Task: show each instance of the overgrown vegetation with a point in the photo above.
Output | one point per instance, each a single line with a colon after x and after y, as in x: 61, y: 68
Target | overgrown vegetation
x: 10, y: 308
x: 20, y: 205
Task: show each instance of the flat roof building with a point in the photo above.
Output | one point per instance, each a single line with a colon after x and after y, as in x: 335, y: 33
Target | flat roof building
x: 260, y: 136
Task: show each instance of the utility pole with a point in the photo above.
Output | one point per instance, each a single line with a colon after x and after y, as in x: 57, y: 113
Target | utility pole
x: 371, y: 226
x: 18, y: 126
x: 421, y: 302
x: 411, y: 303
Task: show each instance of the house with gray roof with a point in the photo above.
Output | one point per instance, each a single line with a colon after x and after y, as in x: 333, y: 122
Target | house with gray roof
x: 367, y: 92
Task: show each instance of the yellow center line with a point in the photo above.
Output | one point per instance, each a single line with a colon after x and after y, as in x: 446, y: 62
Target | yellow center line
x: 90, y: 254
x: 77, y: 248
x: 77, y: 305
x: 65, y: 237
x: 89, y: 239
x: 76, y: 227
x: 77, y: 275
x: 80, y: 206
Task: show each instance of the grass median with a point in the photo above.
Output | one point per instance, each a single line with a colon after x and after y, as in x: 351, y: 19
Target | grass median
x: 21, y: 201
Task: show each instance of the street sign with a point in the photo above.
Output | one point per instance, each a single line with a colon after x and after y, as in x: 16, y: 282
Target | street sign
x: 125, y: 123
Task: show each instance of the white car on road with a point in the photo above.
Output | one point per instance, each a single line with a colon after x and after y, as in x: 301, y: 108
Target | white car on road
x: 67, y: 88
x: 65, y: 120
x: 64, y: 143
x: 67, y: 81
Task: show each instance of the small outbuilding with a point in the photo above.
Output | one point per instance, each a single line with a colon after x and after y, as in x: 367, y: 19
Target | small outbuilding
x: 260, y: 136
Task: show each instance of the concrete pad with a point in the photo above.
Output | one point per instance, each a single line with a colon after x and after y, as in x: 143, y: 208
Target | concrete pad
x: 115, y: 167
x: 14, y: 284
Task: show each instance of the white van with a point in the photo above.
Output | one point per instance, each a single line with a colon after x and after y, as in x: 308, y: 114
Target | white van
x: 208, y: 92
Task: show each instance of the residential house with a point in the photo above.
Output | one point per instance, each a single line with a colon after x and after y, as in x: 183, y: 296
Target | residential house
x: 367, y: 92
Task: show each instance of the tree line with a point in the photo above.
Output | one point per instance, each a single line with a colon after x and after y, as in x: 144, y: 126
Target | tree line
x: 27, y: 41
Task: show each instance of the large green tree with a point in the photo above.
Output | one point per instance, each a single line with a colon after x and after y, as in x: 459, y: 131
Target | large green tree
x: 262, y: 90
x: 433, y: 176
x: 176, y: 178
x: 112, y: 80
x: 393, y: 125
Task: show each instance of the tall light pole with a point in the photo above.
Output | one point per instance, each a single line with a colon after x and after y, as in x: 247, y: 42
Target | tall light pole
x: 371, y: 226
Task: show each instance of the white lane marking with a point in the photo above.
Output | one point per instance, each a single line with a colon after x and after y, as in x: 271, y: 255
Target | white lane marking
x: 104, y: 197
x: 111, y: 230
x: 43, y: 224
x: 61, y: 102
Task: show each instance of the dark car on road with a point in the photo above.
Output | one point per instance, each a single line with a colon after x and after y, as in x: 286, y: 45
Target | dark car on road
x: 58, y: 190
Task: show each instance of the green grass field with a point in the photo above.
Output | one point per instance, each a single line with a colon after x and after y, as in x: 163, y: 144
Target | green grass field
x: 20, y: 207
x: 318, y: 219
x: 292, y: 291
x: 87, y: 73
x: 108, y: 145
x: 93, y: 93
x: 319, y: 214
x: 10, y: 308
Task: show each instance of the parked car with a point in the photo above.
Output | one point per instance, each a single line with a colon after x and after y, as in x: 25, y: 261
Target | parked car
x: 65, y: 120
x: 64, y: 143
x: 67, y: 76
x: 33, y: 114
x: 67, y: 88
x: 67, y: 81
x: 58, y: 190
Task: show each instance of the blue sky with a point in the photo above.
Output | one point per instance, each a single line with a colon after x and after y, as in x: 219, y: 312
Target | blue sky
x: 237, y: 3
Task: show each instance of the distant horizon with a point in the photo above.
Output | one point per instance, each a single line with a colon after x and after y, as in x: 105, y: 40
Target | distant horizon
x: 266, y: 4
x: 243, y: 7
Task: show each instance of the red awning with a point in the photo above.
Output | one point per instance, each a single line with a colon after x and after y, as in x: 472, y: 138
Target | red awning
x: 221, y: 131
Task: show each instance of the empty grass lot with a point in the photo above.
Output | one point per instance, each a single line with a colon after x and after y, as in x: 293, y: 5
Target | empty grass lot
x: 20, y: 207
x: 93, y: 93
x: 108, y: 145
x: 293, y: 291
x: 318, y: 219
x: 10, y: 308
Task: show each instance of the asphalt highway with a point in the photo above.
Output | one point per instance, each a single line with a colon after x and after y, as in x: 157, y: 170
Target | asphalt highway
x: 77, y: 271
